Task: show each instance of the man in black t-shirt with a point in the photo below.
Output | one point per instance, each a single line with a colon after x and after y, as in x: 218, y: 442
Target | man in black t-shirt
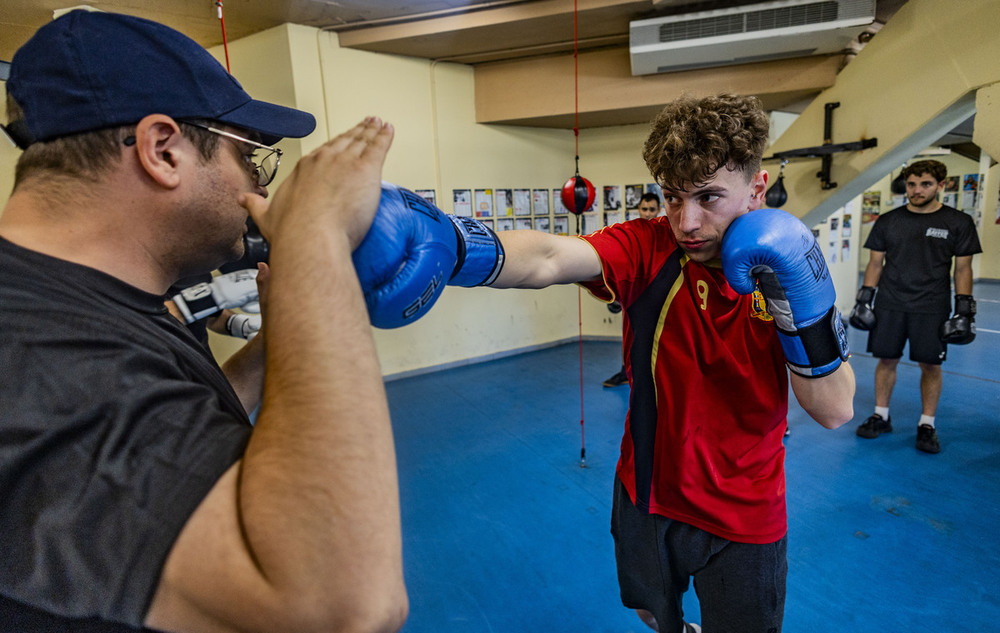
x: 136, y: 494
x: 912, y: 249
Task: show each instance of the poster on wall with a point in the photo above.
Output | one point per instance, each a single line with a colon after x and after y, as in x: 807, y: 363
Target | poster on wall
x: 970, y: 191
x: 845, y: 251
x: 484, y: 203
x: 652, y: 187
x: 427, y: 194
x: 845, y: 230
x: 612, y: 217
x: 540, y: 201
x: 542, y: 224
x: 503, y: 202
x: 949, y: 195
x: 633, y: 194
x: 560, y: 225
x: 557, y: 204
x: 591, y: 222
x: 505, y: 224
x: 522, y: 202
x: 462, y: 202
x: 833, y: 252
x: 834, y: 224
x: 612, y: 197
x: 522, y: 223
x: 871, y: 205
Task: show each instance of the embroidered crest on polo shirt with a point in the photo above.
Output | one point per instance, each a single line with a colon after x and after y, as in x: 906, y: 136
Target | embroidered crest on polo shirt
x: 940, y: 233
x: 758, y: 306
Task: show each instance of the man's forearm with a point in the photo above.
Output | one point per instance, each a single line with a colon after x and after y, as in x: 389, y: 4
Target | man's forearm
x: 538, y: 260
x: 245, y: 372
x: 828, y: 400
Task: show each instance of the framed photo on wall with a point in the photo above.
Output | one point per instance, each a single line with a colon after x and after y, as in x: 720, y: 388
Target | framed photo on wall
x: 484, y: 203
x: 427, y: 194
x: 540, y: 201
x: 612, y: 197
x: 633, y: 194
x: 462, y: 202
x: 522, y: 202
x: 503, y: 202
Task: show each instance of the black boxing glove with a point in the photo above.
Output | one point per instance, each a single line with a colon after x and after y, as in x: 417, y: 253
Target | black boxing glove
x: 862, y: 316
x: 960, y: 329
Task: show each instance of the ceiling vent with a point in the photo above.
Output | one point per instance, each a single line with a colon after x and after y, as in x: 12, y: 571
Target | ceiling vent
x: 751, y: 33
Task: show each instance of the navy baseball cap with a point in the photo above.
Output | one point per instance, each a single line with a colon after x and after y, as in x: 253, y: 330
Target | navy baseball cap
x: 87, y: 70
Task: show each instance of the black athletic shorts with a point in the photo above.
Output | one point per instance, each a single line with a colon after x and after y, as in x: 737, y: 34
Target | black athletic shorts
x: 894, y: 327
x: 740, y: 586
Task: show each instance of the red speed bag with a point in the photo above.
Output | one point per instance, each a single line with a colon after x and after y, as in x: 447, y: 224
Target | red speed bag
x: 578, y: 194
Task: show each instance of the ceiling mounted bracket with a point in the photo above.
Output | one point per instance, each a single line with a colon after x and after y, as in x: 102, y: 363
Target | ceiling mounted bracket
x: 827, y: 149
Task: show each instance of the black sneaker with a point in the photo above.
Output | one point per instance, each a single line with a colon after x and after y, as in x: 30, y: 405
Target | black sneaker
x: 927, y: 440
x: 875, y: 426
x: 619, y: 379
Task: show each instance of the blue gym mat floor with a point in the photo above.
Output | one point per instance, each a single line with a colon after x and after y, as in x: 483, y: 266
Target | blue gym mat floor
x: 505, y: 532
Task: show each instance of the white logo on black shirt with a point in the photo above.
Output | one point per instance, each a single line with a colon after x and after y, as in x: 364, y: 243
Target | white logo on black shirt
x: 941, y: 233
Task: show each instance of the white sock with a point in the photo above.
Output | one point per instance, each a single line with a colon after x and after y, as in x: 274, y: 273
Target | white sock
x: 882, y: 411
x: 927, y: 420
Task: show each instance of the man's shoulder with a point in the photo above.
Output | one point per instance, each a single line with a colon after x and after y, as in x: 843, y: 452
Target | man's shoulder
x: 954, y: 213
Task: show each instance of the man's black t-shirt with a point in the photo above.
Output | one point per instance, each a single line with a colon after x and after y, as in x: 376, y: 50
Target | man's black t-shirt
x: 919, y: 248
x: 114, y: 425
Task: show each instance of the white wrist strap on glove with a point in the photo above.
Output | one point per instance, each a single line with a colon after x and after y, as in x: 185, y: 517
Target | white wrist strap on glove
x: 232, y: 290
x: 243, y: 325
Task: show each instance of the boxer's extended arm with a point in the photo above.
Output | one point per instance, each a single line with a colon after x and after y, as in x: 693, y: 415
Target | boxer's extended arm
x: 536, y: 260
x: 304, y: 532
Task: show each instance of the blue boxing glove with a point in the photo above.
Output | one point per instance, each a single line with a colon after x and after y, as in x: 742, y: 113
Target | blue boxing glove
x: 413, y: 250
x: 777, y: 251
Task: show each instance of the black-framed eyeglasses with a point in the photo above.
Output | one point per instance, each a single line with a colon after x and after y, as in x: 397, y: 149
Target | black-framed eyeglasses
x: 264, y: 167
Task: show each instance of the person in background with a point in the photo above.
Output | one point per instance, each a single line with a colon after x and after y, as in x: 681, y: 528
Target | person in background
x: 914, y: 248
x: 136, y: 493
x: 649, y: 208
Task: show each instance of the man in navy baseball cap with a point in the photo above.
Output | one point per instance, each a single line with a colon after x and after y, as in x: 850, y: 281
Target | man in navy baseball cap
x: 93, y: 70
x: 136, y: 493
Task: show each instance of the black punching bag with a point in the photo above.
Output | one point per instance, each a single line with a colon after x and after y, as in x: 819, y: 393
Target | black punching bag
x: 776, y: 195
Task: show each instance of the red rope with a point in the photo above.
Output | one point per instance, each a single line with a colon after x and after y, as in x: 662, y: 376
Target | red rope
x: 579, y: 292
x: 576, y: 84
x: 225, y: 44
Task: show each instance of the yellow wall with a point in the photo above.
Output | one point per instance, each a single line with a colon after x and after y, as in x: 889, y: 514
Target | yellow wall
x: 931, y: 56
x: 438, y: 145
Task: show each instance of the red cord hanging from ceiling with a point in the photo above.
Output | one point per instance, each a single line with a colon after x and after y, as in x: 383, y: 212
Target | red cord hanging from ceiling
x: 225, y: 44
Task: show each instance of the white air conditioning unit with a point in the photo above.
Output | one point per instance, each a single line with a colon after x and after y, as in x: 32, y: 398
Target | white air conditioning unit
x: 751, y: 33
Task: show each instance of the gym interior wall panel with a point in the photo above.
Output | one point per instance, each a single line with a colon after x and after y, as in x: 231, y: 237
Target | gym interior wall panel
x: 357, y: 84
x: 929, y: 58
x: 438, y: 145
x: 986, y: 134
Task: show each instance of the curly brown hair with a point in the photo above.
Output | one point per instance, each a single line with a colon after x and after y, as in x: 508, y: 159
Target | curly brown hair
x: 693, y: 138
x: 937, y: 170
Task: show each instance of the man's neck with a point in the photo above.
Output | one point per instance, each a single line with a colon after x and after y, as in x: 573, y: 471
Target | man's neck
x: 930, y: 207
x: 32, y: 224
